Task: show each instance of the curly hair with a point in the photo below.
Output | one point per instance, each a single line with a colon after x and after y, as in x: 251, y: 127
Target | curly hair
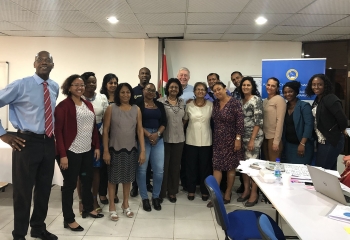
x: 170, y: 81
x: 328, y: 88
x: 117, y: 94
x: 85, y: 76
x: 252, y: 82
x: 68, y: 82
x: 295, y: 85
x: 108, y: 77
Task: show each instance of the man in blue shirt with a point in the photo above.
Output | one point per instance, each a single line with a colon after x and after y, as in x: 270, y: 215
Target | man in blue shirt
x: 33, y: 158
x: 213, y: 78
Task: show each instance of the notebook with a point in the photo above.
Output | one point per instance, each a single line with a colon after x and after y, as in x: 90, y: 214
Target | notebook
x: 328, y: 185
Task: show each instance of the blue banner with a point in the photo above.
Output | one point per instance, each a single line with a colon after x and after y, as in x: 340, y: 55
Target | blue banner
x: 291, y: 70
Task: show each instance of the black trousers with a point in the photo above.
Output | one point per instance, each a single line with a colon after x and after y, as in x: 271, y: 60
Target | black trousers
x: 79, y: 164
x: 198, y: 162
x: 32, y: 166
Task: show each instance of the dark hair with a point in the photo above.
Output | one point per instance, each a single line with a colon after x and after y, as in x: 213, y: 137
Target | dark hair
x: 217, y: 75
x: 68, y: 82
x: 219, y: 83
x: 85, y: 76
x: 237, y: 72
x: 327, y: 85
x: 252, y: 82
x: 108, y: 77
x: 170, y: 81
x: 295, y: 85
x: 278, y: 84
x: 200, y: 83
x: 117, y: 92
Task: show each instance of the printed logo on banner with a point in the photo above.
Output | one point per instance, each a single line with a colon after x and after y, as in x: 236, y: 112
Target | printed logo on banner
x: 286, y: 70
x: 292, y: 74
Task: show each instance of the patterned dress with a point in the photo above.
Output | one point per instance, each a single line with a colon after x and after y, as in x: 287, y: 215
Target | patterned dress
x: 228, y: 122
x: 253, y: 116
x: 122, y: 145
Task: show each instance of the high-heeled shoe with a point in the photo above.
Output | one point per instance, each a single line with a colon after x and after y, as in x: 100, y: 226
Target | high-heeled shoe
x: 87, y: 214
x: 251, y: 204
x: 104, y: 201
x: 205, y: 198
x: 243, y: 199
x: 191, y: 198
x: 77, y: 229
x: 226, y: 201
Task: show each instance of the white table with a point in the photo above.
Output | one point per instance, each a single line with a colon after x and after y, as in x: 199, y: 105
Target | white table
x: 6, y: 166
x: 305, y: 211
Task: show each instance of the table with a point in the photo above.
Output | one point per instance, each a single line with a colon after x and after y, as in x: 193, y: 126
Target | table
x: 6, y: 166
x: 304, y: 210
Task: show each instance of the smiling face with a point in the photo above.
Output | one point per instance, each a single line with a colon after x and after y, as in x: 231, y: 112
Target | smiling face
x: 317, y: 86
x: 124, y: 95
x: 236, y: 79
x: 184, y: 77
x: 247, y: 87
x: 219, y: 91
x: 112, y: 85
x: 271, y: 87
x: 149, y: 92
x: 289, y: 94
x: 144, y: 76
x: 43, y: 64
x: 212, y: 79
x: 200, y: 92
x: 173, y: 89
x: 91, y: 84
x: 77, y: 88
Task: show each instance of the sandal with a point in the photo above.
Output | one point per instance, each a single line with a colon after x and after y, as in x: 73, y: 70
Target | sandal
x: 98, y: 210
x: 127, y: 212
x: 113, y: 216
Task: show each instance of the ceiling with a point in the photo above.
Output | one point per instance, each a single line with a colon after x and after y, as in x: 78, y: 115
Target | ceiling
x: 288, y: 20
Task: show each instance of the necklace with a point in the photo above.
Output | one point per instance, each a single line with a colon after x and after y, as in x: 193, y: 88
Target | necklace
x: 199, y: 105
x: 150, y: 106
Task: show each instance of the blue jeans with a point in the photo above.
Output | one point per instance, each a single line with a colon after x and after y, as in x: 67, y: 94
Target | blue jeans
x: 156, y: 155
x: 327, y: 154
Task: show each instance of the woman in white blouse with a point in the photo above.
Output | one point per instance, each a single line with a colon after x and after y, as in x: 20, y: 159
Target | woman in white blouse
x: 198, y: 141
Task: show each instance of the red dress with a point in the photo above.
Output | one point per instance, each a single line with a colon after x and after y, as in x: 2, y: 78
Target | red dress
x: 228, y: 122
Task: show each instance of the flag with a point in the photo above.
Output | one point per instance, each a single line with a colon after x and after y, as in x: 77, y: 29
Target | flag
x: 164, y: 78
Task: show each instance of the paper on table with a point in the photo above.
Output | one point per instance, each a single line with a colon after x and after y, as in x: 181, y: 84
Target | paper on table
x: 340, y: 213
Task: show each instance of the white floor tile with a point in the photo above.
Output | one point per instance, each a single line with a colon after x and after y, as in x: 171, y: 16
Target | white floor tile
x: 106, y: 227
x: 155, y: 228
x: 56, y: 227
x: 195, y: 212
x: 146, y: 238
x: 104, y: 238
x: 194, y: 229
x: 6, y: 236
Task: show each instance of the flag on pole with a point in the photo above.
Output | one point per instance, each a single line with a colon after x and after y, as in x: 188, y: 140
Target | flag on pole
x: 164, y: 73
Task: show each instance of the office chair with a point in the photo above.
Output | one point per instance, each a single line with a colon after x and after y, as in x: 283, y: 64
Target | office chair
x: 265, y: 228
x: 239, y: 224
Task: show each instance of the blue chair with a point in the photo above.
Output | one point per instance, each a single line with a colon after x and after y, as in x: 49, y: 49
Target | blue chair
x: 239, y: 224
x: 265, y: 228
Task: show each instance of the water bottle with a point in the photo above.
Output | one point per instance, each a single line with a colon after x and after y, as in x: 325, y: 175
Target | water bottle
x: 277, y: 170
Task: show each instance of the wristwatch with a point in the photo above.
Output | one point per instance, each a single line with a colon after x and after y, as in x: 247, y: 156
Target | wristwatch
x: 159, y: 134
x: 238, y: 138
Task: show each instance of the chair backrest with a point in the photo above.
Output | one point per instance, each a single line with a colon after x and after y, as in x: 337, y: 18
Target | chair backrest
x: 265, y: 228
x: 218, y: 202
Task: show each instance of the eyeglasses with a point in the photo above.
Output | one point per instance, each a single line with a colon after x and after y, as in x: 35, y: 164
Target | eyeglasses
x: 78, y: 85
x: 150, y: 90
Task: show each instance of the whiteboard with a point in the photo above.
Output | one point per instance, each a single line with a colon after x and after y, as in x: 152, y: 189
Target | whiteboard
x: 4, y: 81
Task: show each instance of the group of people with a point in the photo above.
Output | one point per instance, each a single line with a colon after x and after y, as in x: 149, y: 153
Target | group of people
x: 124, y: 135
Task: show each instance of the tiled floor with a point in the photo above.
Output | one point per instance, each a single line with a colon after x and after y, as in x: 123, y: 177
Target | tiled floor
x: 183, y: 220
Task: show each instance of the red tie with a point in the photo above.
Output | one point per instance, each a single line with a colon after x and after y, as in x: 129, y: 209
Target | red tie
x: 48, y: 111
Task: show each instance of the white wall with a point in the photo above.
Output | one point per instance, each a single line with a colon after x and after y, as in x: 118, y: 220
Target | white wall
x: 125, y: 57
x: 204, y: 57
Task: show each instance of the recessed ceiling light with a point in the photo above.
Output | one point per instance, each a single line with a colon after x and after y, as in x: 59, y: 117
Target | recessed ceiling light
x: 330, y: 68
x: 307, y: 55
x: 261, y: 20
x: 112, y: 20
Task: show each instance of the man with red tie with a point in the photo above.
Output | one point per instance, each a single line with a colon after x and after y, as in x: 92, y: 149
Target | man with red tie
x: 32, y: 101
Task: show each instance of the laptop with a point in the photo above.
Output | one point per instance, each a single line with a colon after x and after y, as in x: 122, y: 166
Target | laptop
x: 328, y: 185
